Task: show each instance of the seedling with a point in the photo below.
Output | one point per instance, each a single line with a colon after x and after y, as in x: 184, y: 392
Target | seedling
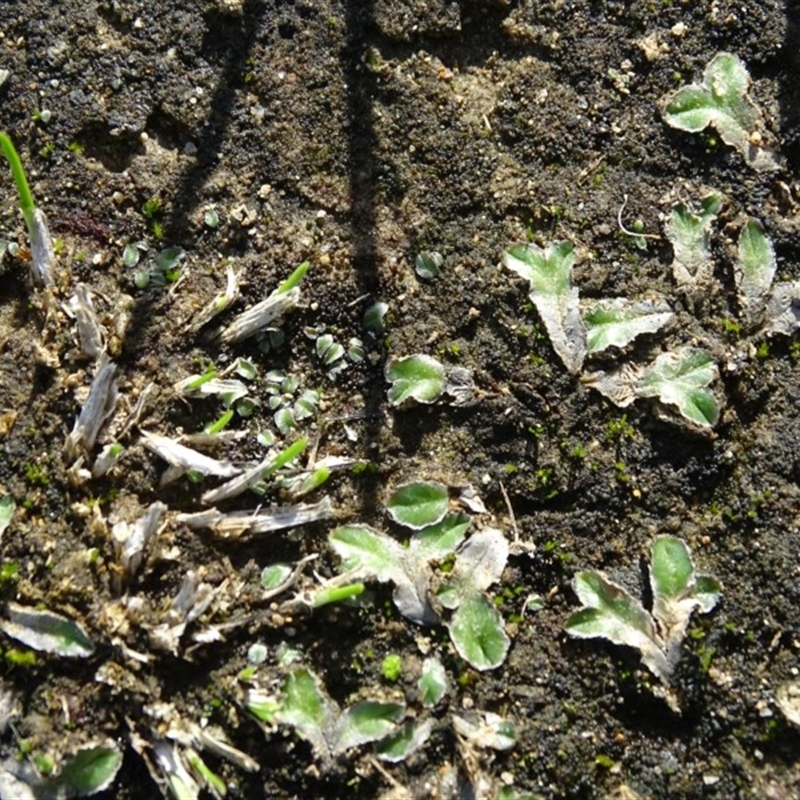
x: 689, y: 233
x: 331, y: 353
x: 475, y: 626
x: 418, y: 377
x: 674, y: 378
x: 428, y: 264
x: 721, y: 101
x: 767, y: 308
x: 432, y: 683
x: 290, y: 409
x: 305, y: 706
x: 392, y: 667
x: 679, y: 379
x: 46, y: 631
x: 424, y: 379
x: 91, y: 769
x: 43, y: 254
x: 549, y: 272
x: 610, y: 612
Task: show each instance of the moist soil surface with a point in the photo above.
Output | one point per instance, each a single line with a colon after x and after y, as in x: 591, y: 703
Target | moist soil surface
x: 356, y: 135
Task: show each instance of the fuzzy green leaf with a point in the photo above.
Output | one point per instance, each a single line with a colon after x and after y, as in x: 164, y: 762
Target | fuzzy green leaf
x: 680, y: 379
x: 721, y: 100
x: 369, y: 552
x: 439, y: 540
x: 305, y: 707
x: 756, y: 267
x: 690, y: 236
x: 476, y: 630
x: 432, y: 683
x: 92, y: 769
x: 365, y: 722
x: 549, y: 273
x: 418, y: 377
x: 610, y: 612
x: 677, y: 591
x: 479, y: 564
x: 615, y: 323
x: 671, y: 567
x: 418, y: 505
x: 707, y: 591
x: 410, y: 738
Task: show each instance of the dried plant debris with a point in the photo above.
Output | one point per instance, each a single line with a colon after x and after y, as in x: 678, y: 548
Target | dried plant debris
x: 263, y: 314
x: 610, y: 612
x: 90, y: 335
x: 222, y: 301
x: 172, y: 748
x: 182, y: 459
x: 237, y: 524
x: 721, y: 100
x: 788, y: 698
x: 478, y: 735
x: 131, y: 540
x: 97, y: 410
x: 192, y: 601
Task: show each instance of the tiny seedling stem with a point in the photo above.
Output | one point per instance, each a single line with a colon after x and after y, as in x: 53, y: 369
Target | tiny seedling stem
x: 25, y: 197
x: 294, y: 279
x: 337, y: 594
x: 284, y: 457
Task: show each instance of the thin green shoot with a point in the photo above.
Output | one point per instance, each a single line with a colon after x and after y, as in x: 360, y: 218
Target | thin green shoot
x: 294, y: 279
x: 208, y: 375
x: 284, y: 457
x: 23, y: 190
x: 219, y: 425
x: 337, y: 594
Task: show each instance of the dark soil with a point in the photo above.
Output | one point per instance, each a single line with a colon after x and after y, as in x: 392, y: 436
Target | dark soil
x: 353, y: 135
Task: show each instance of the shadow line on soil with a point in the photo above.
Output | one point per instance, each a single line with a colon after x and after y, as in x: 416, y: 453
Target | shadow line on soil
x: 362, y: 154
x: 236, y: 38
